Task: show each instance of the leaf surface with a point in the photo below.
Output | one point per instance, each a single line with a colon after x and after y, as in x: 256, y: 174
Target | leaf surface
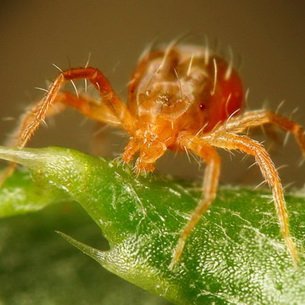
x: 234, y: 256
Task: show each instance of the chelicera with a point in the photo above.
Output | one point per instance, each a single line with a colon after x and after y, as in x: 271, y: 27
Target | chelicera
x: 180, y: 97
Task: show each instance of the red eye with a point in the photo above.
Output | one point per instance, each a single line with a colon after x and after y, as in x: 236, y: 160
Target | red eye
x: 202, y: 107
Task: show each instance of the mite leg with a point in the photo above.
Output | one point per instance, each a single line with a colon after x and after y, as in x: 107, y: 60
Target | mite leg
x: 210, y: 185
x: 260, y: 117
x: 31, y: 120
x: 83, y: 104
x: 243, y: 143
x: 34, y: 117
x: 92, y: 109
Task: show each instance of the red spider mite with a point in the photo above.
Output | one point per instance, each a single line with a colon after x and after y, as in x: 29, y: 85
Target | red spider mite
x: 180, y: 97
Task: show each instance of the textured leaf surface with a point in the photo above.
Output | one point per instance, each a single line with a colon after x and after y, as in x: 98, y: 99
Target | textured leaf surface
x: 37, y: 267
x: 235, y: 255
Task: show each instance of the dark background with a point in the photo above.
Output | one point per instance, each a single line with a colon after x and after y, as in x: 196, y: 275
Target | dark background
x: 267, y: 35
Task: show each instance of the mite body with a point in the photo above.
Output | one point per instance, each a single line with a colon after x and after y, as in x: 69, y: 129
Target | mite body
x: 180, y: 97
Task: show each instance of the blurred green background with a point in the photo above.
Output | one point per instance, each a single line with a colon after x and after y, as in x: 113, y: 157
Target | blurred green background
x: 268, y: 37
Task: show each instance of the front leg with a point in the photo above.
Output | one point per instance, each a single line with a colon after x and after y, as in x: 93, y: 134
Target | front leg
x: 110, y: 107
x: 37, y: 114
x: 231, y: 141
x: 209, y: 189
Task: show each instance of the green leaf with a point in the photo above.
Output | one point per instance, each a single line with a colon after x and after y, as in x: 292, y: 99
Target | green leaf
x: 234, y: 256
x: 37, y: 267
x: 20, y: 195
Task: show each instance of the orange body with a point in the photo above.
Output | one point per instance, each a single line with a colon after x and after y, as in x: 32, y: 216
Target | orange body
x: 182, y: 89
